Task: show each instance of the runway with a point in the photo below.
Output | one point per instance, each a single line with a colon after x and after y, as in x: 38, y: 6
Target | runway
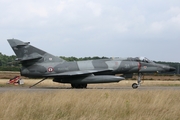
x: 43, y: 89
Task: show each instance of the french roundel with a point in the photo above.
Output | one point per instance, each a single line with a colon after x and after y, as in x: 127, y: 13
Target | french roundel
x: 50, y: 69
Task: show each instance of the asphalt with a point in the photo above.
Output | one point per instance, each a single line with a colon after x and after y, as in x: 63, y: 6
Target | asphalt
x: 42, y: 89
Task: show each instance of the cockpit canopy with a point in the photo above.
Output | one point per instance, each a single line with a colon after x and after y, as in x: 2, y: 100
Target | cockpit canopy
x: 140, y: 59
x: 144, y: 59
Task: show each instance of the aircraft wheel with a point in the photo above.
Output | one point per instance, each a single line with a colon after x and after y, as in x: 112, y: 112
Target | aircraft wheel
x: 84, y: 85
x: 134, y: 85
x: 73, y: 85
x: 79, y: 85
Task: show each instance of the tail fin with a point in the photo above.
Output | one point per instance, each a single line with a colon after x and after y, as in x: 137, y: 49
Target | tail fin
x: 28, y: 54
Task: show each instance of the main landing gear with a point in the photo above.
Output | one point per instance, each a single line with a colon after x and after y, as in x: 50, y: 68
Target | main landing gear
x: 79, y: 86
x: 136, y: 85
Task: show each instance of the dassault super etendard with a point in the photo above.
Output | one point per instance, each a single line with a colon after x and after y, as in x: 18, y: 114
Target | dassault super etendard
x: 38, y: 63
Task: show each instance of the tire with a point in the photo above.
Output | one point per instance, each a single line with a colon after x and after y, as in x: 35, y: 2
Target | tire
x: 79, y: 86
x: 134, y: 85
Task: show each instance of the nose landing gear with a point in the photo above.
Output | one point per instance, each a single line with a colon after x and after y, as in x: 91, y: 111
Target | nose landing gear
x: 136, y: 85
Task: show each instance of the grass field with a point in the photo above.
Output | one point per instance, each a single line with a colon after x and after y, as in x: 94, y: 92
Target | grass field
x: 90, y: 105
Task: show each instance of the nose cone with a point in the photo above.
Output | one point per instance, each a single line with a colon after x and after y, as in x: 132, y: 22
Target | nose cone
x: 165, y: 68
x: 171, y: 69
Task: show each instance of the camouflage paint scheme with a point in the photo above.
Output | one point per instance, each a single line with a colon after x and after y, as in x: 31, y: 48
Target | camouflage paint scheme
x: 38, y: 63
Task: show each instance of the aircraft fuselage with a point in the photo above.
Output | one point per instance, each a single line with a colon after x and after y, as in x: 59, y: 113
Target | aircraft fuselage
x: 115, y: 66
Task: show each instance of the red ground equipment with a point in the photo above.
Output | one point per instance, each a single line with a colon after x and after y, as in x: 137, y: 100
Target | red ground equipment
x: 15, y: 80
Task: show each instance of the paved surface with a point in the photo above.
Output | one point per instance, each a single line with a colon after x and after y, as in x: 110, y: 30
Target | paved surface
x: 19, y: 88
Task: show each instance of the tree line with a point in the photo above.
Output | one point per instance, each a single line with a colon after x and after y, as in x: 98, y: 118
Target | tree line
x: 8, y: 63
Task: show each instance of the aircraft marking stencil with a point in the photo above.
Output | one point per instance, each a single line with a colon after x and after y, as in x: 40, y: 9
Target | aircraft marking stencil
x: 50, y: 69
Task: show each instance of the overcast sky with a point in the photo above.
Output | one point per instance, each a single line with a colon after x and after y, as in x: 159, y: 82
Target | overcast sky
x: 82, y: 28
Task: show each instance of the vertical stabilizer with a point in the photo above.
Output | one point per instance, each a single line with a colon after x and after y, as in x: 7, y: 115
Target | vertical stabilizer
x: 25, y: 52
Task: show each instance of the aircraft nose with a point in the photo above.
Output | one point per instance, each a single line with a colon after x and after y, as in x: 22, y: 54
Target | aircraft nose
x: 172, y: 69
x: 166, y: 68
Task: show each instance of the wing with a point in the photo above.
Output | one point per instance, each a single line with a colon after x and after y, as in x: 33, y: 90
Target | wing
x: 76, y: 73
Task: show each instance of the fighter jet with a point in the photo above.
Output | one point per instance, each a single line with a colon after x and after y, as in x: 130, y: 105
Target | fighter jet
x: 38, y: 63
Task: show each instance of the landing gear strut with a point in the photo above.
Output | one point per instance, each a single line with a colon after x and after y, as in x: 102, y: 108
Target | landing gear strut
x: 136, y: 85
